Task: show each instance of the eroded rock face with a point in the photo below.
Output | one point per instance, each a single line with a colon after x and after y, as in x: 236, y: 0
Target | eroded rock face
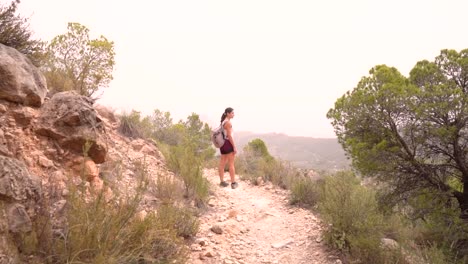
x: 20, y: 80
x: 18, y: 219
x: 71, y: 120
x: 19, y: 193
x: 16, y: 183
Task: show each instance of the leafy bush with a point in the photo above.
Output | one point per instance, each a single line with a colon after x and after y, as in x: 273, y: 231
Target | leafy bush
x: 133, y: 125
x: 184, y: 162
x: 255, y: 161
x: 167, y: 188
x: 180, y: 219
x: 357, y: 226
x: 435, y: 255
x: 438, y: 226
x: 103, y: 228
x: 15, y: 32
x: 85, y: 64
x: 305, y: 191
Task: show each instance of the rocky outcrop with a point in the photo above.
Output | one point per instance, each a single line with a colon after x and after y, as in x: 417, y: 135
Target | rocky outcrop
x: 48, y: 146
x: 20, y: 80
x: 19, y: 193
x: 71, y: 119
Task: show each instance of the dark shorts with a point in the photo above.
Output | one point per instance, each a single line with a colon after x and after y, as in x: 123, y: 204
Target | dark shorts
x: 227, y: 147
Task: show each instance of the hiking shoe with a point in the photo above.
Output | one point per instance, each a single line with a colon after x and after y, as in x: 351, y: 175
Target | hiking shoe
x: 223, y: 184
x: 234, y: 185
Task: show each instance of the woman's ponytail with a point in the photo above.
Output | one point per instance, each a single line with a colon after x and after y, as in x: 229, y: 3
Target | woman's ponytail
x: 223, y: 117
x: 228, y: 110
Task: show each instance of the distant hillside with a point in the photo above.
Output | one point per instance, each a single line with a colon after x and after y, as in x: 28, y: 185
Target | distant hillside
x: 303, y: 152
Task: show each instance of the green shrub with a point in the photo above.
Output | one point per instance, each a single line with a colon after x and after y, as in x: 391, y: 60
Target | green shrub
x: 281, y: 173
x: 133, y: 125
x: 305, y: 191
x: 255, y: 161
x: 103, y: 228
x: 356, y: 223
x: 184, y: 162
x: 15, y: 32
x: 434, y: 255
x: 101, y: 231
x: 437, y: 223
x: 180, y: 219
x: 167, y: 188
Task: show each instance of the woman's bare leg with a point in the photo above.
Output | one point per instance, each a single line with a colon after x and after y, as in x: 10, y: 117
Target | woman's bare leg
x: 232, y: 169
x: 222, y: 165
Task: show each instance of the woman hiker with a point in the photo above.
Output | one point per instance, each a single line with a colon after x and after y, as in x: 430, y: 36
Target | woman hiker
x: 228, y: 150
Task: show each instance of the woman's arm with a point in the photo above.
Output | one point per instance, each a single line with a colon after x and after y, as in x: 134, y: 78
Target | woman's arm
x: 228, y: 128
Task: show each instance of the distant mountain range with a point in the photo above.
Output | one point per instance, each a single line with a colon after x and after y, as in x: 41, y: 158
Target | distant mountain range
x: 303, y: 152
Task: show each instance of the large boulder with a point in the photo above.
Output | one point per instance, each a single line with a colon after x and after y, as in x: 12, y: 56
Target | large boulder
x: 71, y: 119
x: 20, y: 80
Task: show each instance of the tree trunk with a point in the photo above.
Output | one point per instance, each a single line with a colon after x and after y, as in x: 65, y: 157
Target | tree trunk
x: 464, y: 202
x: 462, y: 198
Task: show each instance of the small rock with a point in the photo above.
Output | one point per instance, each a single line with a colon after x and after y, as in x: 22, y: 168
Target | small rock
x: 282, y: 243
x: 319, y: 239
x: 65, y: 192
x: 388, y: 243
x: 138, y: 144
x: 259, y: 181
x: 27, y: 160
x: 202, y: 242
x: 195, y: 247
x: 300, y: 243
x: 59, y: 205
x: 45, y: 162
x: 97, y: 184
x: 211, y: 202
x: 209, y: 254
x: 246, y: 230
x: 233, y: 213
x: 217, y: 229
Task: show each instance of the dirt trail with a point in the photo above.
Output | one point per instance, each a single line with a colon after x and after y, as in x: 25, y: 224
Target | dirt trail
x: 258, y: 226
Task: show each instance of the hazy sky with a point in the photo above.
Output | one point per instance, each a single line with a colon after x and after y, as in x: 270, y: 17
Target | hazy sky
x: 280, y: 64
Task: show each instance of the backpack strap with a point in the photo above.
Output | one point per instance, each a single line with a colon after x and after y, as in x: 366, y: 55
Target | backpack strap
x: 222, y: 126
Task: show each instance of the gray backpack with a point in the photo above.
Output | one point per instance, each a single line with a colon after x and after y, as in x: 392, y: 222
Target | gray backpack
x: 217, y: 136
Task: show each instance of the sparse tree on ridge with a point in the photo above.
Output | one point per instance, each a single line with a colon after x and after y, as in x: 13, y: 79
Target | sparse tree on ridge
x: 410, y: 132
x: 259, y: 149
x: 162, y: 123
x: 199, y: 132
x: 76, y: 62
x: 15, y: 33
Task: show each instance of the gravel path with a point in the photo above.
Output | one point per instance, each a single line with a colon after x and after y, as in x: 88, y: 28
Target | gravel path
x: 255, y: 224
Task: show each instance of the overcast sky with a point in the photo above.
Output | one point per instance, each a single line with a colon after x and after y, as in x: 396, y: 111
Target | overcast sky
x: 280, y: 64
